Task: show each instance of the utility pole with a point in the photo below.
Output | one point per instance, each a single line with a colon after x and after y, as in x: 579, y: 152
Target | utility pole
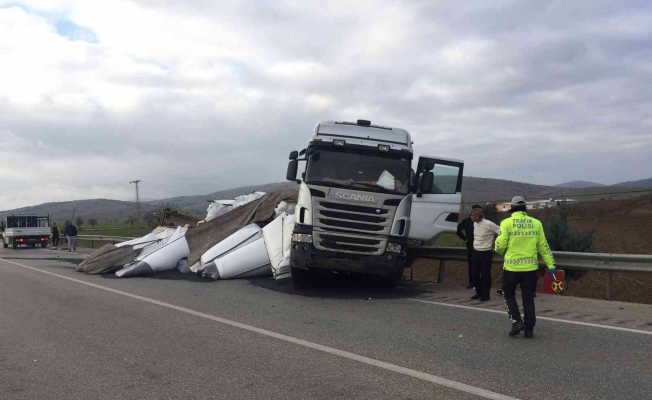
x: 136, y: 182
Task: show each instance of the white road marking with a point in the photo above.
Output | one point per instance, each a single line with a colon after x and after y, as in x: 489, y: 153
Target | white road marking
x: 330, y: 350
x: 565, y: 321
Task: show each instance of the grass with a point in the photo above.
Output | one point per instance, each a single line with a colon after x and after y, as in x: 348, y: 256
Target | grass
x: 126, y: 232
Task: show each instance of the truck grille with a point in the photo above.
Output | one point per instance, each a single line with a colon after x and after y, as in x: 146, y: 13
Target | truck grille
x: 351, y: 228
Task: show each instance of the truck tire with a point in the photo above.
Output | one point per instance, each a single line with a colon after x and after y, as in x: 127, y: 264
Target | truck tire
x: 32, y: 245
x: 300, y: 277
x: 14, y: 245
x: 4, y: 244
x: 44, y: 245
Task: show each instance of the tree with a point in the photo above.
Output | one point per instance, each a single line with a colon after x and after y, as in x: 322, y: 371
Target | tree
x: 150, y: 218
x: 79, y: 222
x: 562, y: 238
x: 93, y: 222
x: 131, y: 220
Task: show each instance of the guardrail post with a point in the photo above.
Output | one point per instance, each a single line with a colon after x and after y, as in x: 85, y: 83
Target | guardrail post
x: 610, y: 287
x: 440, y: 275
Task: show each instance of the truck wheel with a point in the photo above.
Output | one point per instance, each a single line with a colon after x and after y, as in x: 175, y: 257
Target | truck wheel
x: 32, y: 245
x: 14, y: 245
x: 300, y: 277
x: 5, y: 245
x: 44, y: 245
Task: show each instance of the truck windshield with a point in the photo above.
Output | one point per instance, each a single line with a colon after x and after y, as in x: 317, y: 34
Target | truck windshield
x: 360, y: 171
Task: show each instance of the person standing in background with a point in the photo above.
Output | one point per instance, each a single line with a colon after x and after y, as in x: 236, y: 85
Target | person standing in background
x: 484, y: 236
x: 55, y: 236
x: 465, y: 232
x: 71, y: 235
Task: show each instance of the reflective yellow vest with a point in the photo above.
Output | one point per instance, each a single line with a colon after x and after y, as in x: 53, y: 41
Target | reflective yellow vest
x: 521, y: 238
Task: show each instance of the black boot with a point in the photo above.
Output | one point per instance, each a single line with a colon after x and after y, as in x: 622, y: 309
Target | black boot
x: 517, y: 327
x: 475, y: 297
x: 529, y: 334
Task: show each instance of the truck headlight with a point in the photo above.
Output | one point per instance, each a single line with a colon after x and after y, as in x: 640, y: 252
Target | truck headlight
x: 394, y: 248
x: 302, y: 238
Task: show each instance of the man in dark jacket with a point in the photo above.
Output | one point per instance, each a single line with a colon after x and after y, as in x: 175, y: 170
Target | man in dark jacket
x: 71, y: 234
x: 55, y: 235
x: 465, y: 232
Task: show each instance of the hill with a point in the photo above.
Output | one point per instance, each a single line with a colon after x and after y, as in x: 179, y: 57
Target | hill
x: 103, y: 210
x: 475, y: 190
x: 579, y: 184
x: 643, y: 183
x: 197, y: 205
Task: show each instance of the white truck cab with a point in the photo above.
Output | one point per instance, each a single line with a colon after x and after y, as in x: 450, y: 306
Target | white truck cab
x: 362, y: 206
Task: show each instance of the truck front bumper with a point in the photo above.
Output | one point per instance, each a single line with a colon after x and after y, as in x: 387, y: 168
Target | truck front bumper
x: 306, y: 256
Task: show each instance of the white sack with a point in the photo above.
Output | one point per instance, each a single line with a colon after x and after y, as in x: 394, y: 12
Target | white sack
x: 273, y: 237
x: 183, y: 266
x: 168, y: 256
x: 241, y: 237
x: 217, y: 208
x: 284, y: 267
x: 247, y: 261
x: 162, y: 239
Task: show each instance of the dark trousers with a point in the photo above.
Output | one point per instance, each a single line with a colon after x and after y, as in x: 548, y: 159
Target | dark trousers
x: 528, y: 282
x: 482, y: 271
x: 469, y: 257
x: 55, y: 241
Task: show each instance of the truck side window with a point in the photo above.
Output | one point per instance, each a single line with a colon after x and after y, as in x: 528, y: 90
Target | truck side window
x: 445, y: 179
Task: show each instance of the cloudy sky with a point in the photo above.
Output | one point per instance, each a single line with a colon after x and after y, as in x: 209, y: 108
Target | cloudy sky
x: 196, y: 96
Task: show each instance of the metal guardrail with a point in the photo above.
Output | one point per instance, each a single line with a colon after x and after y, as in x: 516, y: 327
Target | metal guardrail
x: 102, y: 238
x: 609, y: 263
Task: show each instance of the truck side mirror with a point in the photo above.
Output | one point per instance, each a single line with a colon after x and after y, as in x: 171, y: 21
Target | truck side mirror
x: 294, y: 155
x: 293, y: 167
x: 427, y: 182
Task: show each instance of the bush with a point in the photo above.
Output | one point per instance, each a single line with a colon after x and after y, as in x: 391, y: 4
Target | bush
x: 561, y: 238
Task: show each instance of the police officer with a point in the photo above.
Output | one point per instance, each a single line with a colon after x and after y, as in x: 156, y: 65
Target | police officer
x: 521, y: 238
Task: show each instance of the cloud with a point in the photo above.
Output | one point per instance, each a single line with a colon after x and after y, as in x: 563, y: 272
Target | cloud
x: 198, y: 96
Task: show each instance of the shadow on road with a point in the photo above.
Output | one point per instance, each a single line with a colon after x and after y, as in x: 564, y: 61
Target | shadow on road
x: 171, y: 275
x: 343, y: 286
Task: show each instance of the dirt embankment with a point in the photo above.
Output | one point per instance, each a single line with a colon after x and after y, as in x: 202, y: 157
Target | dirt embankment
x: 623, y: 226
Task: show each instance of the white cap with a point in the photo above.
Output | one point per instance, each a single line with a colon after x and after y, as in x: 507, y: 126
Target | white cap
x: 518, y: 201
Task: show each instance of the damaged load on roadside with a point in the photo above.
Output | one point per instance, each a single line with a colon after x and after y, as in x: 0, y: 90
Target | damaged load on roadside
x: 252, y: 250
x: 110, y: 258
x: 217, y: 208
x: 221, y: 207
x: 252, y: 239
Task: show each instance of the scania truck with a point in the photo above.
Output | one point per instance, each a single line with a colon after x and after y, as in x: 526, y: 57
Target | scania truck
x: 30, y: 230
x: 362, y: 208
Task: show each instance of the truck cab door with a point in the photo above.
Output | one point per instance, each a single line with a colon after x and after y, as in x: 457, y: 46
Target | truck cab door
x: 436, y: 210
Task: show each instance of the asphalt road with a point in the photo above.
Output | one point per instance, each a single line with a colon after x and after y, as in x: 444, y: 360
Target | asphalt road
x: 66, y: 335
